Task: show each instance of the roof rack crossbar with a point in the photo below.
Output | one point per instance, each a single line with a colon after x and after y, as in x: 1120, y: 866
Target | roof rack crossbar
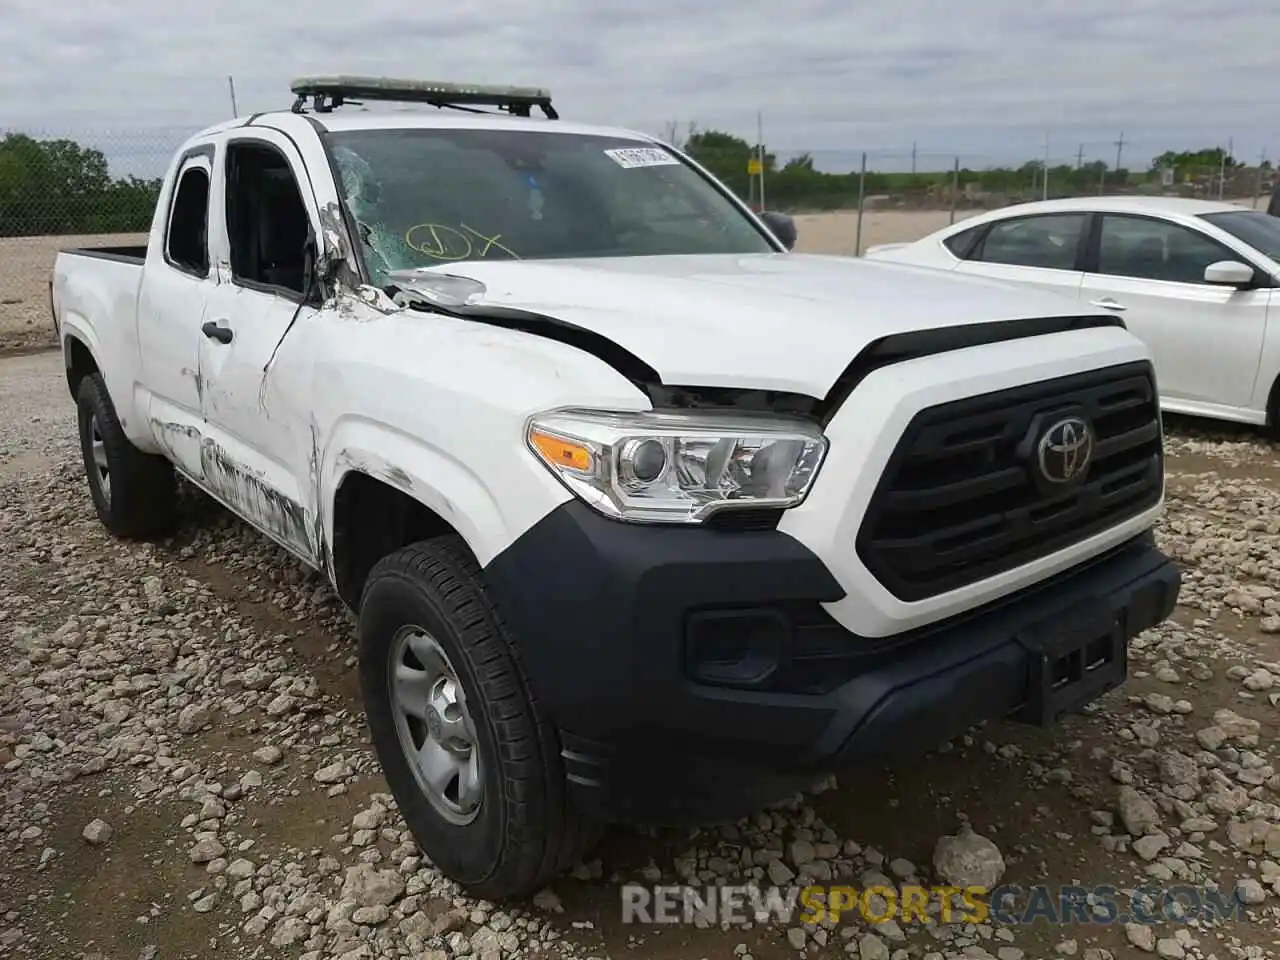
x: 329, y: 92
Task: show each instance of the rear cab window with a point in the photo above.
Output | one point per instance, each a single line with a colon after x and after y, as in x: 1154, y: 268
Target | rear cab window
x: 186, y: 242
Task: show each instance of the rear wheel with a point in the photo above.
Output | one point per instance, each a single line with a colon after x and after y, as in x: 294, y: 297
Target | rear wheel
x: 473, y: 765
x: 134, y: 493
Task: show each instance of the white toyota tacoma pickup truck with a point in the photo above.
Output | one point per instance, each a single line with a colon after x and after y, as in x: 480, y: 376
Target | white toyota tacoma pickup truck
x: 644, y: 516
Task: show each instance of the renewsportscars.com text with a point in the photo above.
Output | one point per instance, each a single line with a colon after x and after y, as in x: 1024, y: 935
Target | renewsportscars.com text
x: 1007, y: 904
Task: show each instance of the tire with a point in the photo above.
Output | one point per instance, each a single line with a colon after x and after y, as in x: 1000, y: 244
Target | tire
x: 134, y: 493
x: 425, y: 600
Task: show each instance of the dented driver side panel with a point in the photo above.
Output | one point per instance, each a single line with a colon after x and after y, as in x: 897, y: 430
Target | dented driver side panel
x: 300, y: 396
x: 256, y: 443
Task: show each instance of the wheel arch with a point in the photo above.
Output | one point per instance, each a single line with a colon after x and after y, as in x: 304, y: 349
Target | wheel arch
x: 372, y: 517
x: 79, y: 360
x: 371, y: 473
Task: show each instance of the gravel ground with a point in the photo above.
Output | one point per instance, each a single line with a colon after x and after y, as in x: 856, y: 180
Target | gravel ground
x: 184, y: 770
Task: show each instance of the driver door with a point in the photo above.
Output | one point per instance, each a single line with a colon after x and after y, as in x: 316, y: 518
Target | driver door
x: 255, y: 351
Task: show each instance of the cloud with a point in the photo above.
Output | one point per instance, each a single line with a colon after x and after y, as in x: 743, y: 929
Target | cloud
x: 986, y: 79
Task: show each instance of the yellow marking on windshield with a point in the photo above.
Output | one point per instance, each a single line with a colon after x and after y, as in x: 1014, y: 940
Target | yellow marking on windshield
x: 490, y: 242
x: 437, y: 241
x: 442, y: 242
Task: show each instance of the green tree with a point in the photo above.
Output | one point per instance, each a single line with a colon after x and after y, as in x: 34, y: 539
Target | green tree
x: 1193, y: 164
x: 802, y: 162
x: 52, y: 187
x: 798, y: 185
x: 726, y: 156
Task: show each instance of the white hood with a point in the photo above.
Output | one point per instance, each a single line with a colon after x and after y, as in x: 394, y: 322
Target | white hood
x: 788, y: 322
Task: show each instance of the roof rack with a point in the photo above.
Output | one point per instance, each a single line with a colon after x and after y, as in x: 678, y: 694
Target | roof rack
x: 329, y: 92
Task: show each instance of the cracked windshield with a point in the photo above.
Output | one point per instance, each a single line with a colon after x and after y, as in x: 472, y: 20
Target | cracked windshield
x: 423, y: 198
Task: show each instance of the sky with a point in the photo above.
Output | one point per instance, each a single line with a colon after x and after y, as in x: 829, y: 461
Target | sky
x: 988, y: 80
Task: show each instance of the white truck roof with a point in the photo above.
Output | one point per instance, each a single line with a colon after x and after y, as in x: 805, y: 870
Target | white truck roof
x: 430, y: 111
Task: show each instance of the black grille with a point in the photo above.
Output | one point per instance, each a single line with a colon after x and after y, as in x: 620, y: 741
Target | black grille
x: 958, y: 500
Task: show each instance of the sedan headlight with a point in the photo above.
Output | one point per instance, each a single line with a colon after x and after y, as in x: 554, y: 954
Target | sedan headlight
x: 675, y: 468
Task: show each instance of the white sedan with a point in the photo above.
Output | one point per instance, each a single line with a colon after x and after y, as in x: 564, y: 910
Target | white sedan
x: 1196, y: 280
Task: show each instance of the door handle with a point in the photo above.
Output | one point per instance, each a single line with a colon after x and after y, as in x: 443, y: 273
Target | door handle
x: 1106, y: 303
x: 216, y: 332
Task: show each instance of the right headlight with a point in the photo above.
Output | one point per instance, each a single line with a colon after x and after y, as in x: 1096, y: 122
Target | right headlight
x: 674, y: 467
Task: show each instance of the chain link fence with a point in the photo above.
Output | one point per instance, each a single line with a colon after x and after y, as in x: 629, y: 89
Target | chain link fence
x: 102, y: 182
x: 95, y: 182
x: 59, y: 189
x: 964, y: 184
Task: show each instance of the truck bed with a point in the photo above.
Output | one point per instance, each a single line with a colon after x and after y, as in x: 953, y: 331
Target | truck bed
x: 136, y: 255
x: 96, y: 289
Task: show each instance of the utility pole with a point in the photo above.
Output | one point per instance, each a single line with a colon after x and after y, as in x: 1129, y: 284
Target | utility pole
x: 231, y: 86
x: 1102, y: 180
x: 1262, y: 162
x: 913, y: 158
x: 1045, y: 185
x: 955, y: 188
x: 760, y: 147
x: 1080, y: 157
x: 1222, y: 170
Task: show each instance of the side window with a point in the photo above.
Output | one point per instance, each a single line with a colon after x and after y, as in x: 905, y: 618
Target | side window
x: 1046, y: 241
x: 186, y: 245
x: 961, y: 244
x: 1156, y: 250
x: 266, y: 219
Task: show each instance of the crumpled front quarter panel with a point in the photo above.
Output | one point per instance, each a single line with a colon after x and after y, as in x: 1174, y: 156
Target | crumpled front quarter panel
x: 437, y: 407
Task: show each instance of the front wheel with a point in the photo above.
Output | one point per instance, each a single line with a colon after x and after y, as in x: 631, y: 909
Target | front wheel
x: 474, y: 767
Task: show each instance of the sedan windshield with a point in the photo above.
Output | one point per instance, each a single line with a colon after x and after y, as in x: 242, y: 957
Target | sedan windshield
x: 425, y: 197
x: 1259, y: 230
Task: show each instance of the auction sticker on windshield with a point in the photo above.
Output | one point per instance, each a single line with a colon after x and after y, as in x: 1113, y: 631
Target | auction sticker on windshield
x: 630, y: 157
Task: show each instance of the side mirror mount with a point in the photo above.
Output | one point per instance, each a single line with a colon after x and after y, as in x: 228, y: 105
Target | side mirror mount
x: 313, y: 279
x: 333, y: 251
x: 1230, y: 273
x: 781, y: 226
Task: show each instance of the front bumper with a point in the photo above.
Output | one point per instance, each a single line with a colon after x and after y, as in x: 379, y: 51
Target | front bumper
x: 693, y: 674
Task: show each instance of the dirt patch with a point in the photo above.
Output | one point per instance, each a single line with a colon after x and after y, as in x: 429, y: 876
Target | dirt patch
x: 25, y: 321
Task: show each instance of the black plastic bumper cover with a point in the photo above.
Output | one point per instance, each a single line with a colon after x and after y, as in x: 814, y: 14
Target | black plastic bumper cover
x: 602, y: 609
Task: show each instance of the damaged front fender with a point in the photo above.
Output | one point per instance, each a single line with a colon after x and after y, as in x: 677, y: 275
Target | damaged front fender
x: 439, y: 482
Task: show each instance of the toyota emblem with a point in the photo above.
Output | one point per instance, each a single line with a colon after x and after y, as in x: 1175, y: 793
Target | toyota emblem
x: 1064, y: 450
